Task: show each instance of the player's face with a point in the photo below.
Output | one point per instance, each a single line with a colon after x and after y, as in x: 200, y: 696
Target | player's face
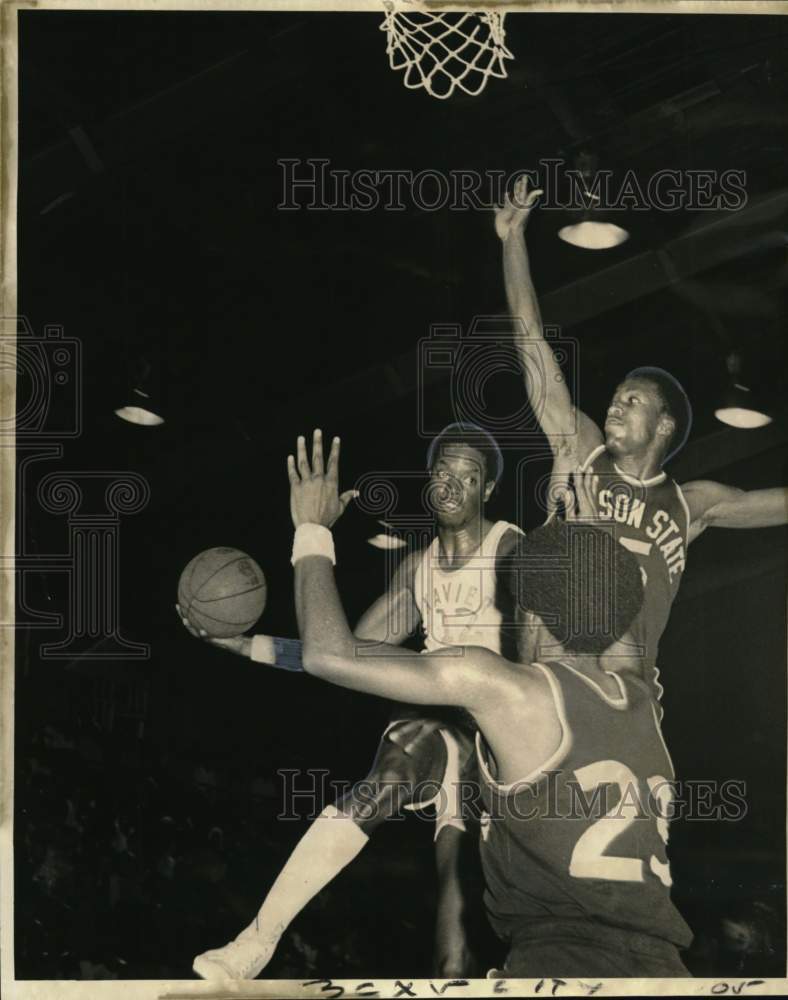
x: 457, y: 485
x: 632, y: 417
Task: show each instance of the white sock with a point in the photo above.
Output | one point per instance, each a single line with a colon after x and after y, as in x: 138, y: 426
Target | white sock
x: 330, y: 843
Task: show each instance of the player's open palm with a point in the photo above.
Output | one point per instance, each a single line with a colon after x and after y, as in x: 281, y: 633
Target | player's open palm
x: 517, y: 207
x: 314, y: 490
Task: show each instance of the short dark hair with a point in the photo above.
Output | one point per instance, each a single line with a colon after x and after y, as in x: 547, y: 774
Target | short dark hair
x: 472, y: 436
x: 675, y: 402
x: 580, y: 580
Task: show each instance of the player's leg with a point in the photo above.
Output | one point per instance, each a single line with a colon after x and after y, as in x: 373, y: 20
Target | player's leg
x: 333, y: 840
x: 452, y: 955
x: 400, y: 778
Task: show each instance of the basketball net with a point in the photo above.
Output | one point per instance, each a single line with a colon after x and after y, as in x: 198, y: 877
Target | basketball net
x: 441, y: 52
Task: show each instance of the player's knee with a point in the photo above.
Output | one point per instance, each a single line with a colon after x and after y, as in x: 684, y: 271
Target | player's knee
x: 381, y: 794
x: 393, y: 765
x: 395, y: 784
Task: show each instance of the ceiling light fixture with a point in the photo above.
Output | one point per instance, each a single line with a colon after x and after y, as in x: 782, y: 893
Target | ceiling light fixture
x: 739, y: 406
x: 593, y: 228
x: 142, y: 405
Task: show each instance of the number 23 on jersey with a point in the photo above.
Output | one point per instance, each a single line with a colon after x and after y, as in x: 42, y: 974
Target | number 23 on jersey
x: 589, y: 857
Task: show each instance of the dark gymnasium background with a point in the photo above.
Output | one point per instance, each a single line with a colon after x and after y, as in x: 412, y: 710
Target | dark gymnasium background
x: 147, y: 789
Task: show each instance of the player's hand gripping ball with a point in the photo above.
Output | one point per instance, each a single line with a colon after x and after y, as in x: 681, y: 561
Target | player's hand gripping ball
x: 222, y: 591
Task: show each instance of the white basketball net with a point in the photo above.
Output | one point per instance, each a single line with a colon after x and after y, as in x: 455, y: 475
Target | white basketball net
x: 441, y: 52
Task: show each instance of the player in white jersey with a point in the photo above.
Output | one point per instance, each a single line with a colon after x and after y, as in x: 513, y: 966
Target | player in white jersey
x: 647, y: 422
x: 462, y: 607
x: 451, y: 589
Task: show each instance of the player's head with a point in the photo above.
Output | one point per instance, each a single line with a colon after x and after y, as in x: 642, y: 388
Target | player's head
x: 579, y: 583
x: 465, y: 464
x: 649, y: 412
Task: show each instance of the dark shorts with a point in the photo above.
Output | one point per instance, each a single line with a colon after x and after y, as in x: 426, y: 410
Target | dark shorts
x: 455, y: 717
x: 578, y: 949
x: 457, y: 722
x: 442, y: 761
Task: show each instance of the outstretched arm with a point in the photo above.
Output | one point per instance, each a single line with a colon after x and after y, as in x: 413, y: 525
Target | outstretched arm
x: 273, y: 650
x: 547, y: 391
x: 713, y: 505
x: 332, y: 652
x: 392, y: 618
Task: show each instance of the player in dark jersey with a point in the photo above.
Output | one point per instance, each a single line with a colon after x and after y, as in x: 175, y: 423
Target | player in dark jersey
x: 576, y: 776
x: 451, y: 589
x: 648, y: 421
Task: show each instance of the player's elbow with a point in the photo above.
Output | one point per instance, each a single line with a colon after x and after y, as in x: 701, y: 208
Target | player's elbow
x: 315, y: 658
x: 734, y: 511
x: 563, y: 446
x: 322, y: 661
x: 561, y: 434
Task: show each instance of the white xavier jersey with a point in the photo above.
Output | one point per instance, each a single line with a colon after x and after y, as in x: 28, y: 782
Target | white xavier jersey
x: 458, y: 607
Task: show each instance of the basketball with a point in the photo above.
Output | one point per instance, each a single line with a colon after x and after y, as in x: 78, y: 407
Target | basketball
x: 223, y: 591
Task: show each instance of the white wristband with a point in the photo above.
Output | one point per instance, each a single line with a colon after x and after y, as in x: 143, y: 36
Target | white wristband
x: 262, y: 650
x: 313, y: 540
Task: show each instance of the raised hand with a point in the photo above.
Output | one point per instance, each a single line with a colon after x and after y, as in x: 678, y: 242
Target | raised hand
x: 517, y: 207
x: 314, y: 493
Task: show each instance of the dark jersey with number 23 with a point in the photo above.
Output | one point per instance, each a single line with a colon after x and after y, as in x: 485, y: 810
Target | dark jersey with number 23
x: 585, y: 837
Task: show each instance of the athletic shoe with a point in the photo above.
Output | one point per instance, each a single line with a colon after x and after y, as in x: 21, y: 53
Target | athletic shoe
x: 243, y: 958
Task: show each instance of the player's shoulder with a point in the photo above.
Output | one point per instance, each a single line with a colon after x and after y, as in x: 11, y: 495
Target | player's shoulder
x: 700, y: 498
x: 511, y: 536
x: 618, y: 690
x: 545, y: 685
x: 481, y: 676
x: 701, y: 494
x: 513, y: 680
